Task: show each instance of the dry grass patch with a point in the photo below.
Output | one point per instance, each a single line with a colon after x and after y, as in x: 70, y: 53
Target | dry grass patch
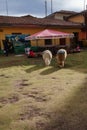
x: 35, y: 97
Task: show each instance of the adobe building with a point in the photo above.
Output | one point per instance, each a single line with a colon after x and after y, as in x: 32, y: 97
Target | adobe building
x: 80, y: 18
x: 62, y: 14
x: 28, y: 25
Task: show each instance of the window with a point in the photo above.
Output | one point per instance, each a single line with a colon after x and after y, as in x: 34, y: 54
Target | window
x: 48, y: 42
x: 16, y: 33
x: 62, y: 41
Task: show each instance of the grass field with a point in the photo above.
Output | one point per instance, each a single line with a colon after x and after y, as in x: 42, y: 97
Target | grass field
x: 35, y: 97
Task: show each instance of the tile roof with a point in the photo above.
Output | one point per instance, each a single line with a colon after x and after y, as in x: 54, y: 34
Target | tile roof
x: 66, y: 12
x: 57, y: 22
x: 79, y: 13
x: 62, y: 12
x: 33, y: 21
x: 14, y: 20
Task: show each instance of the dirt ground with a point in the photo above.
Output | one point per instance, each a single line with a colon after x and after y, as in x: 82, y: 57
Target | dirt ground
x: 35, y: 97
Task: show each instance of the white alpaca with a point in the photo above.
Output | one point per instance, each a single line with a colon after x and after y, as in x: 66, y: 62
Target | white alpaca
x: 61, y: 57
x: 47, y: 57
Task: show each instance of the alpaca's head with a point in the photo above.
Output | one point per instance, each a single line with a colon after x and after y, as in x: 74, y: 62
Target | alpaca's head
x: 61, y: 57
x: 47, y: 61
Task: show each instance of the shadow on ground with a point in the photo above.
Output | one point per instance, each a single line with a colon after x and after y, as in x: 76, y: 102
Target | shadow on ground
x: 72, y: 116
x: 75, y: 62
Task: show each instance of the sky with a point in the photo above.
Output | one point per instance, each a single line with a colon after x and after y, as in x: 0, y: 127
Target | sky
x: 38, y: 8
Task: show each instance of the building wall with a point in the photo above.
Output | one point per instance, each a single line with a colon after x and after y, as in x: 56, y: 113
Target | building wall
x: 31, y: 30
x: 77, y: 18
x: 54, y: 42
x: 61, y: 15
x: 23, y: 30
x: 82, y: 35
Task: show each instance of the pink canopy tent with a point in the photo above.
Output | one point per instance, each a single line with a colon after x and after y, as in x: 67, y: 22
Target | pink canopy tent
x: 49, y: 34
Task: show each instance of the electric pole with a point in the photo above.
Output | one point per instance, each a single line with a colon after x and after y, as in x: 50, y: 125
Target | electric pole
x: 51, y: 6
x: 6, y: 7
x: 45, y: 8
x: 84, y: 4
